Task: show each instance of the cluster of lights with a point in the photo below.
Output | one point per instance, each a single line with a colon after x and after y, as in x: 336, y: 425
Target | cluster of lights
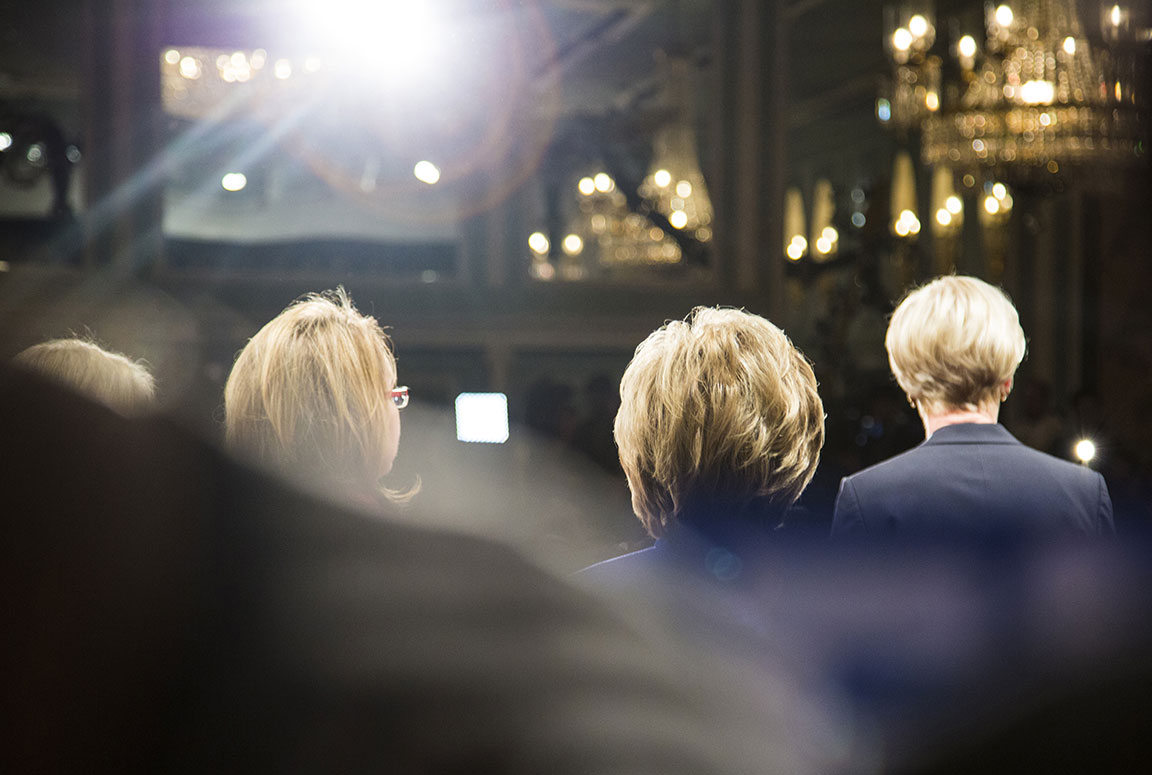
x: 998, y: 201
x: 1041, y: 97
x: 907, y: 224
x: 953, y: 207
x: 797, y: 247
x: 621, y: 237
x: 675, y: 198
x: 601, y: 182
x: 827, y: 241
x: 917, y: 36
x: 234, y: 67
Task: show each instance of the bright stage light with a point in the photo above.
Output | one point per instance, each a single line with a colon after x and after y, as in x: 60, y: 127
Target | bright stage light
x: 393, y: 38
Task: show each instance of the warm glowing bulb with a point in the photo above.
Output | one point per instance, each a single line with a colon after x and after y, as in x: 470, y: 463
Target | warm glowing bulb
x: 1085, y: 450
x: 918, y: 25
x: 954, y: 204
x: 662, y: 178
x: 794, y: 251
x: 234, y: 181
x: 1004, y: 15
x: 902, y: 39
x: 282, y: 69
x: 678, y: 219
x: 1069, y: 45
x: 1114, y: 16
x: 967, y: 46
x: 603, y: 182
x: 426, y: 172
x: 1006, y: 203
x: 901, y: 228
x: 683, y: 189
x: 586, y: 186
x: 538, y: 242
x: 572, y: 245
x: 171, y: 56
x: 823, y: 246
x: 999, y: 190
x: 943, y: 217
x: 830, y: 234
x: 932, y: 101
x: 992, y: 205
x: 800, y: 242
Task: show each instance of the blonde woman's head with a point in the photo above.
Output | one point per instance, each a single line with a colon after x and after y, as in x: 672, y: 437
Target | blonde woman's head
x: 719, y: 414
x: 955, y: 343
x: 311, y: 393
x: 112, y: 379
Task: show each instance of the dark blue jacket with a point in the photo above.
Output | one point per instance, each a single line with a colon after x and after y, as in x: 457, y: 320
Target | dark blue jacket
x: 973, y: 479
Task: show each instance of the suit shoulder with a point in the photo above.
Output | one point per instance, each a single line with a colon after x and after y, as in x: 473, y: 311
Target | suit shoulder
x: 1063, y: 468
x: 904, y: 463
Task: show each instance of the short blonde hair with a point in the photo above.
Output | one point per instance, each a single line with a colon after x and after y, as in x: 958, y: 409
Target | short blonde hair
x: 718, y: 413
x: 124, y: 385
x: 308, y: 393
x: 953, y: 343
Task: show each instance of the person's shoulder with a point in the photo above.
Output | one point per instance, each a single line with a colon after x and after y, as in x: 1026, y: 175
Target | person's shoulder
x: 907, y: 463
x: 1063, y: 469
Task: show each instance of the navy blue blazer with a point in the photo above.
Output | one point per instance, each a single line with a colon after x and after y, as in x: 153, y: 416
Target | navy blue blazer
x: 974, y: 479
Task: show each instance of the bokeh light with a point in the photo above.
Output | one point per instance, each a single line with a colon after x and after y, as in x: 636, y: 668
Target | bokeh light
x: 234, y: 181
x: 538, y: 243
x: 426, y: 172
x: 1085, y: 450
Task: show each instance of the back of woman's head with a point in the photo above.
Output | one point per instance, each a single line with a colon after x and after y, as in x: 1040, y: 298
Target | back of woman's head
x: 112, y: 379
x: 311, y: 393
x: 954, y: 342
x: 718, y: 414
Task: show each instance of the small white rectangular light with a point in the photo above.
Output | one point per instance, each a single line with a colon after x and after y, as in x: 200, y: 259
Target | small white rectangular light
x: 482, y: 417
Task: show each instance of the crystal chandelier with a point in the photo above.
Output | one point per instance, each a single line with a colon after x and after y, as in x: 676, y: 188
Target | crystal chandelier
x: 1038, y: 96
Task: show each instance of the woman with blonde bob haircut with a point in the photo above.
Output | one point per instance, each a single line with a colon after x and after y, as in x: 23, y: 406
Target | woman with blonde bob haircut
x: 719, y: 431
x: 954, y: 346
x: 120, y: 383
x: 314, y: 394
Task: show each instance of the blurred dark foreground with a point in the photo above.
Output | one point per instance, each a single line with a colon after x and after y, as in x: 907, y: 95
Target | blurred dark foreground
x: 171, y: 610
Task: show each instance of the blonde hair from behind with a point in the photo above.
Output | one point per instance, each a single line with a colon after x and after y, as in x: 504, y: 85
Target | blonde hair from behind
x: 719, y: 414
x: 123, y: 385
x: 311, y: 392
x: 954, y: 342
